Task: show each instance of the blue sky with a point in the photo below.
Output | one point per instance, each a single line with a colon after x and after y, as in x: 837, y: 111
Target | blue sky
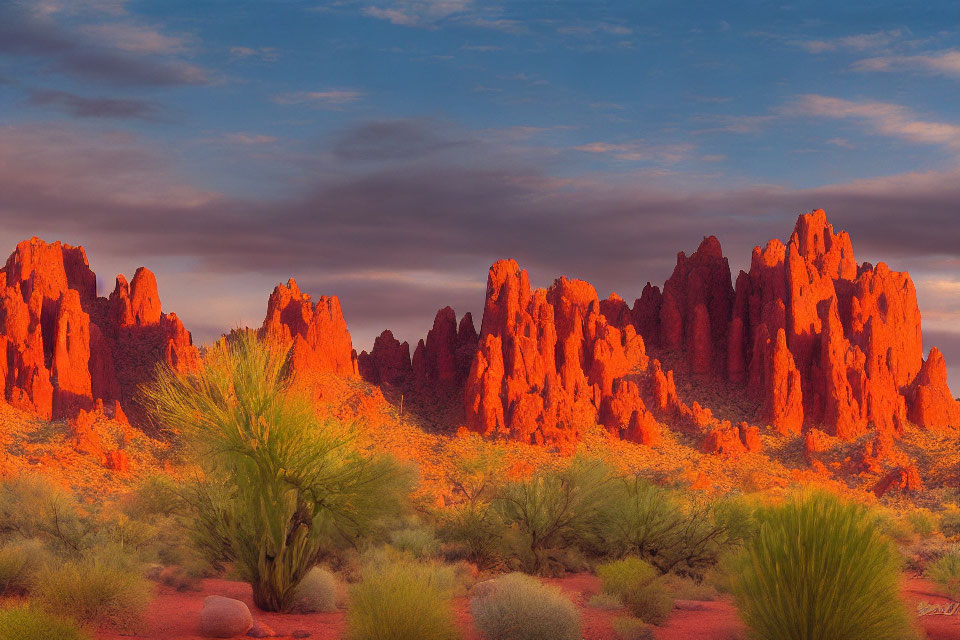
x: 388, y: 151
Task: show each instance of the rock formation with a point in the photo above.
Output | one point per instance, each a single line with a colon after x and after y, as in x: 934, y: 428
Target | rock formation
x: 68, y: 351
x: 314, y: 332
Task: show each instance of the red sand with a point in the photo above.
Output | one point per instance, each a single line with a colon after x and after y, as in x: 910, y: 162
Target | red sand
x: 176, y: 616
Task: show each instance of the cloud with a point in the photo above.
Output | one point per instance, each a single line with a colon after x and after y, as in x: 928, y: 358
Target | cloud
x: 328, y: 98
x: 99, y: 107
x: 883, y: 117
x: 640, y: 151
x: 117, y: 53
x: 856, y: 42
x: 413, y: 13
x: 266, y: 54
x: 944, y: 63
x: 244, y: 138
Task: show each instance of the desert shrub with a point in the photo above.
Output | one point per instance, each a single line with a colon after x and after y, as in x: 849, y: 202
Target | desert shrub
x: 687, y: 588
x: 552, y: 507
x: 922, y: 521
x: 317, y: 592
x: 639, y: 518
x: 31, y: 623
x: 419, y: 541
x: 95, y: 592
x: 820, y: 568
x: 401, y: 600
x: 639, y: 586
x: 625, y: 628
x: 35, y: 507
x: 20, y: 562
x: 950, y: 522
x: 605, y: 601
x: 519, y: 607
x: 476, y: 526
x: 946, y: 573
x: 278, y: 485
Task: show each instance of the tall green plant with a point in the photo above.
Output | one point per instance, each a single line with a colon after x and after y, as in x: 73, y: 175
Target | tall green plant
x: 276, y: 483
x: 820, y: 569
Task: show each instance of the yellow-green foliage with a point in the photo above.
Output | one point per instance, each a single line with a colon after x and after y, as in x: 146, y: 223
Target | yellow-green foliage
x: 20, y: 561
x: 33, y: 506
x: 950, y: 522
x: 317, y: 592
x: 520, y: 607
x: 95, y: 592
x: 638, y: 584
x: 278, y: 486
x: 631, y: 629
x: 31, y: 623
x: 420, y: 541
x: 606, y: 601
x: 402, y: 599
x: 820, y: 568
x: 946, y: 573
x: 922, y: 521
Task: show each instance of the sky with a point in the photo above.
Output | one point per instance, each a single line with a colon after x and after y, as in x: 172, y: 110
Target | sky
x: 388, y: 151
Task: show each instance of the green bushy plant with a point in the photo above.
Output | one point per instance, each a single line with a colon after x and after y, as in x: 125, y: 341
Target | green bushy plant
x: 317, y: 592
x: 950, y: 522
x: 519, y: 607
x: 278, y: 485
x: 552, y: 507
x: 20, y: 562
x: 33, y: 506
x: 946, y: 573
x: 820, y: 568
x: 922, y: 521
x: 639, y: 586
x: 31, y: 623
x: 631, y: 629
x: 605, y: 601
x: 401, y: 599
x: 94, y: 592
x: 420, y: 541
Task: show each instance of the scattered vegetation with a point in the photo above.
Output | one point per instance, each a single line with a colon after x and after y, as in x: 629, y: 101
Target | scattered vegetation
x: 606, y: 601
x: 631, y: 629
x: 640, y: 588
x: 820, y: 568
x: 95, y: 592
x: 32, y: 623
x: 950, y: 521
x: 20, y: 562
x: 946, y: 573
x: 278, y: 486
x: 519, y: 607
x: 402, y: 599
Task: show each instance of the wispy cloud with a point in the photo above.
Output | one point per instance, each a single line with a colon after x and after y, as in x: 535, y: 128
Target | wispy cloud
x: 98, y: 107
x: 134, y: 38
x: 247, y: 139
x: 328, y: 98
x: 943, y: 62
x: 640, y: 151
x: 856, y: 42
x: 417, y: 13
x: 266, y: 54
x: 883, y: 117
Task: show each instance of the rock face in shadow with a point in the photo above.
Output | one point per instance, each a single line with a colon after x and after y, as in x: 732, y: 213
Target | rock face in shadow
x: 69, y: 351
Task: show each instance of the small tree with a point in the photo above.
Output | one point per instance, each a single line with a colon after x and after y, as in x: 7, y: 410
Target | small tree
x: 554, y: 505
x: 275, y: 484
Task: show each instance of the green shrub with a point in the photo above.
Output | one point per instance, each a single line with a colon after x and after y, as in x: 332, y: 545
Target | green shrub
x: 820, y: 568
x: 639, y: 587
x: 95, y: 592
x: 519, y: 607
x: 20, y: 561
x: 35, y: 507
x: 946, y: 573
x: 605, y: 601
x: 950, y: 522
x: 419, y: 541
x: 402, y: 600
x: 278, y: 486
x: 552, y: 506
x: 667, y: 529
x: 922, y: 521
x: 631, y: 629
x: 686, y: 588
x: 29, y: 623
x: 317, y: 592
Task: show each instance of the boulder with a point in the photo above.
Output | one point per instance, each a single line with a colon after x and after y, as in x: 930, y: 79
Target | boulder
x: 224, y: 618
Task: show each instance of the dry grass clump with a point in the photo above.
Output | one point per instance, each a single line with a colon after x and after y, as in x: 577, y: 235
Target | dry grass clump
x: 946, y: 573
x: 639, y: 586
x: 20, y: 562
x: 317, y: 592
x: 31, y: 623
x: 631, y: 629
x: 520, y: 607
